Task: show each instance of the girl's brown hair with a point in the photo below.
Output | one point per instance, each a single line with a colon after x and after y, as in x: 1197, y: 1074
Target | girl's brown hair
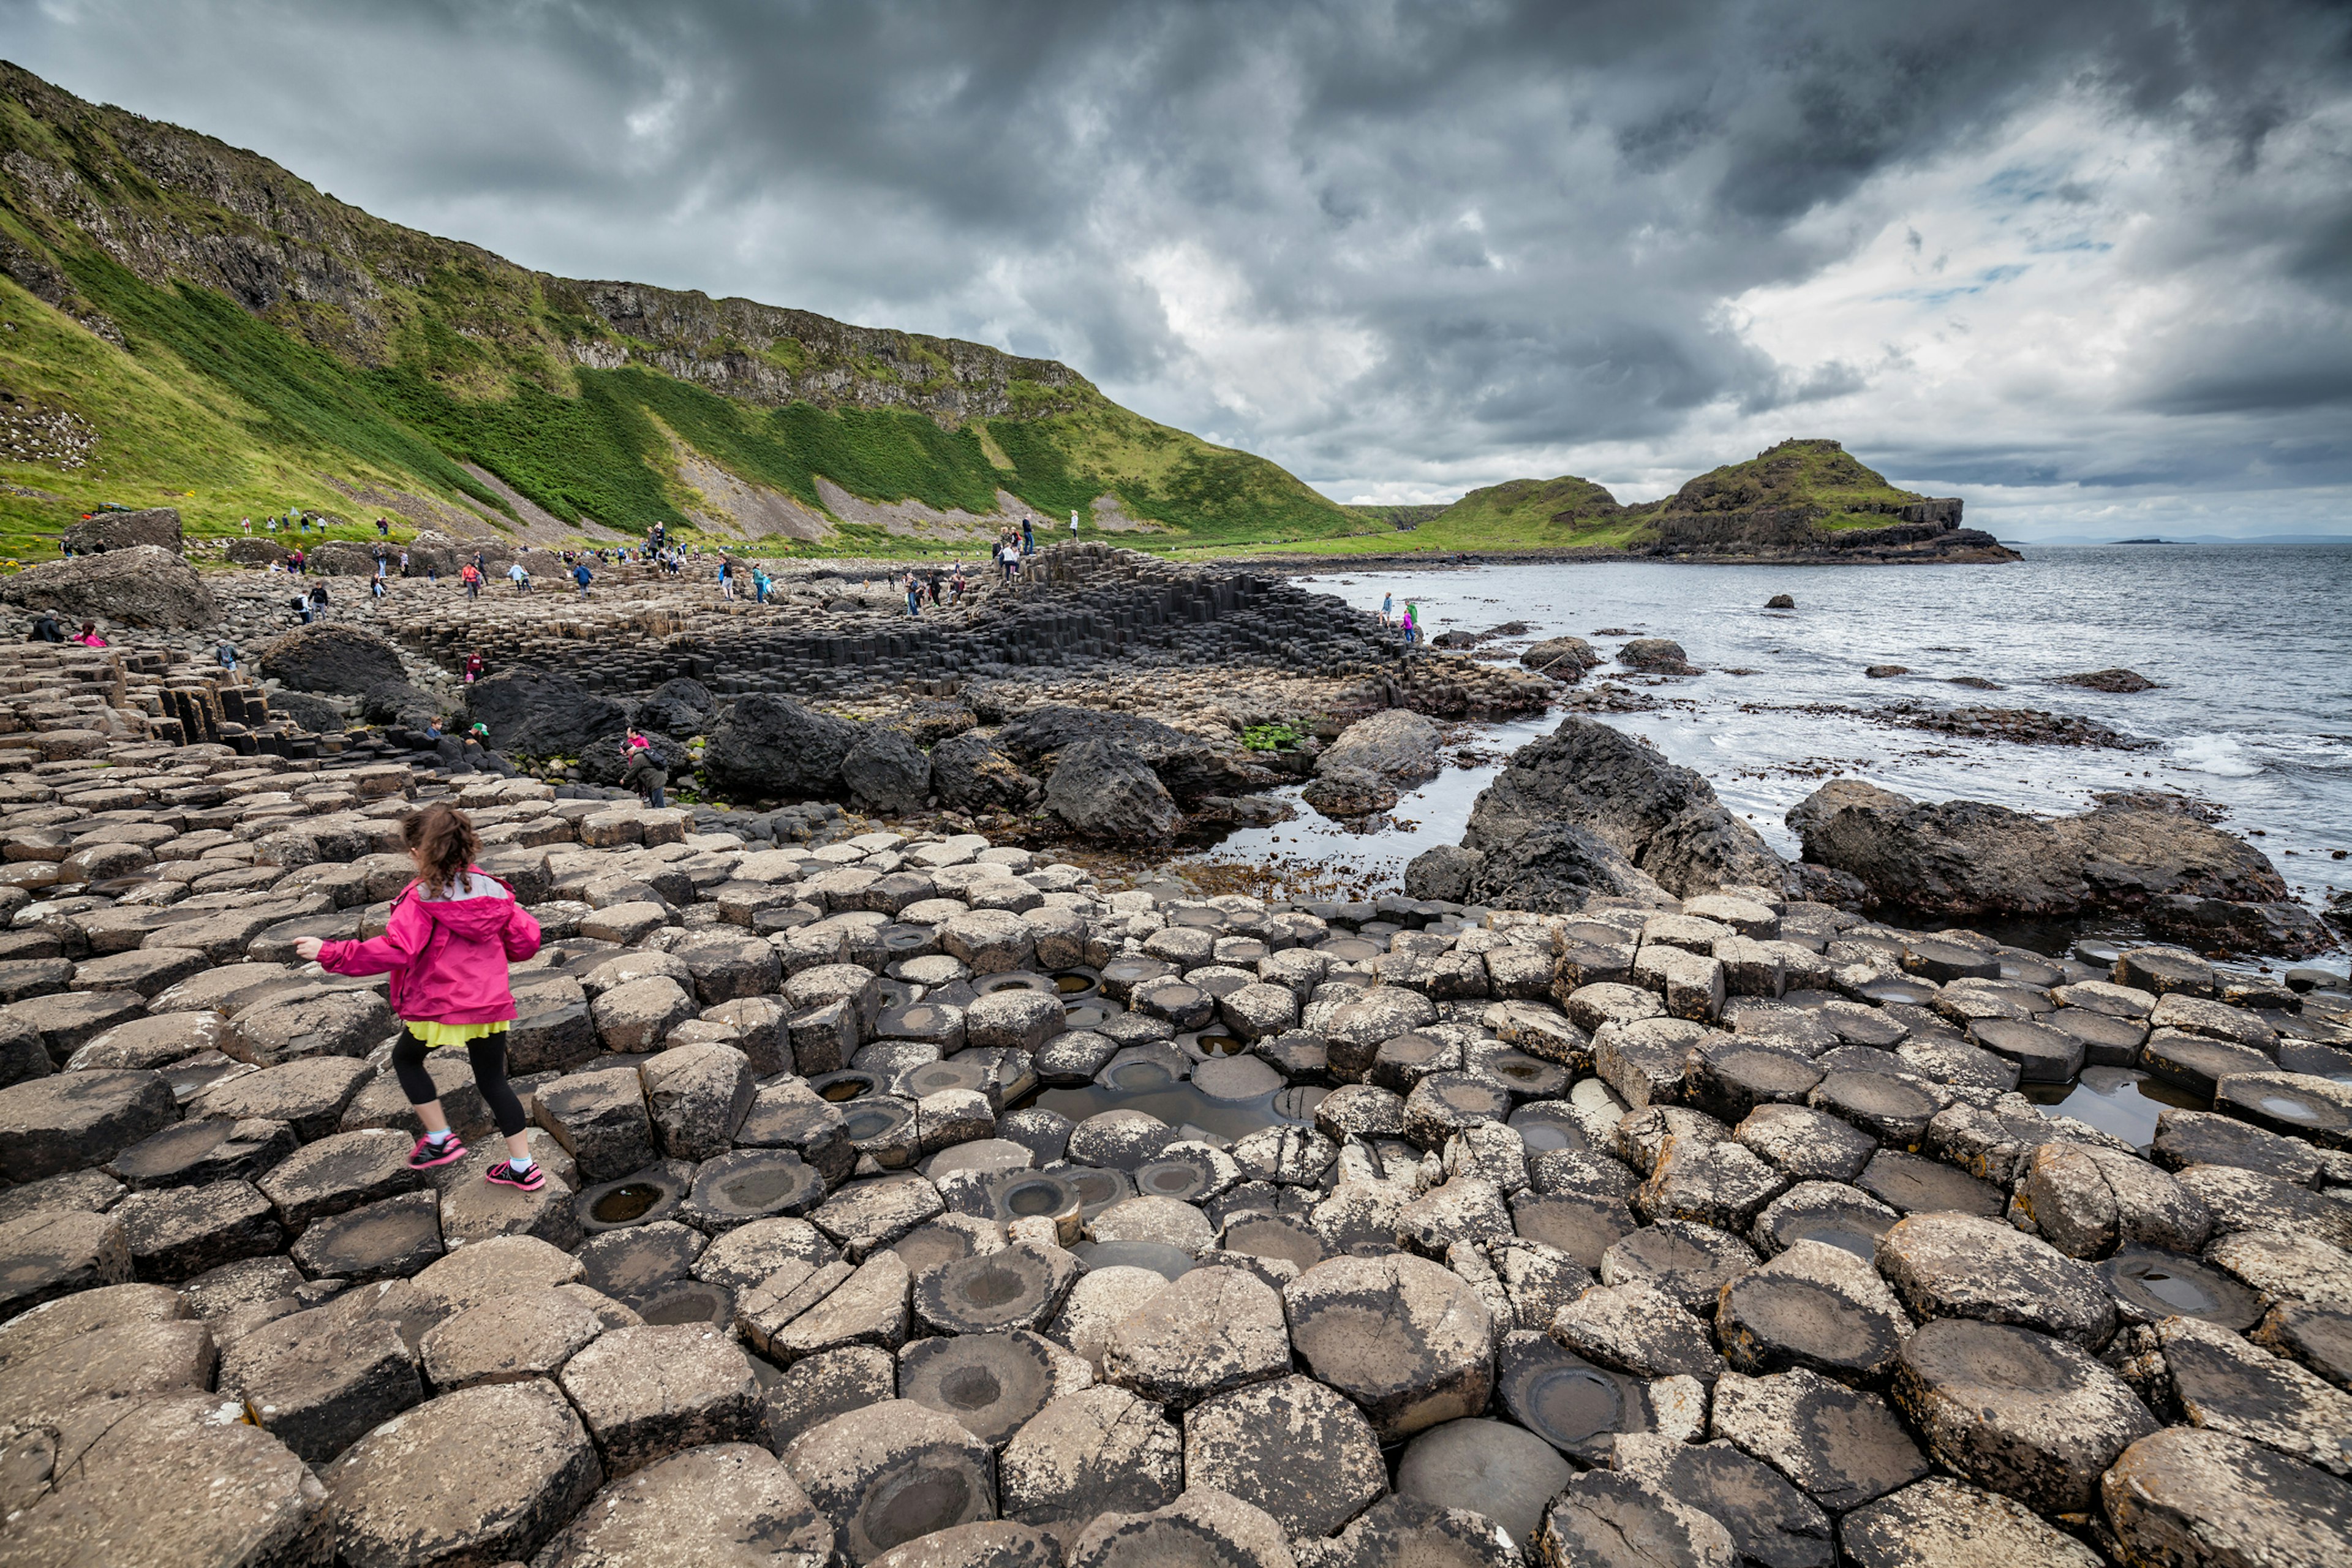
x: 444, y: 838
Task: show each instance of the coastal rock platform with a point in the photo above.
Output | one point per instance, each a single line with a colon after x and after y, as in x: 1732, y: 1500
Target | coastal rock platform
x: 919, y: 1197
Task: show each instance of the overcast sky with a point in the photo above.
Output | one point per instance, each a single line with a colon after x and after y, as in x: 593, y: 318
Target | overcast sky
x: 2086, y: 264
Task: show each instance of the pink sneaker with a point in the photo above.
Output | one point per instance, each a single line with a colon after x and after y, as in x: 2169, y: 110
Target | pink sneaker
x: 530, y: 1181
x: 424, y: 1158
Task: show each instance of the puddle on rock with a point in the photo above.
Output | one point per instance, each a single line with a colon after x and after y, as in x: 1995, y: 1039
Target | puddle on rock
x: 1178, y: 1104
x: 2125, y: 1101
x: 624, y: 1203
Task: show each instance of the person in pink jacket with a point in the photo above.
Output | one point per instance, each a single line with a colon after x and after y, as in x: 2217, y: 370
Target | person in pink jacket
x: 453, y: 931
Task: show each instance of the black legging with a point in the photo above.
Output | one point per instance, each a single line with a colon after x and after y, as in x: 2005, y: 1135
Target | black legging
x: 488, y: 1054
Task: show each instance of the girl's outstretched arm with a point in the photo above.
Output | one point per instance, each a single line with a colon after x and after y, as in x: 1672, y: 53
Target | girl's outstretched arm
x: 404, y: 938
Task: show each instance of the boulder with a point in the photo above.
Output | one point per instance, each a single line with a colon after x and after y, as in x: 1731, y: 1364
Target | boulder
x: 1189, y: 767
x: 1103, y: 788
x: 771, y: 746
x: 1396, y: 744
x: 886, y: 771
x: 144, y: 585
x: 158, y: 526
x: 1350, y: 792
x: 683, y: 706
x: 1971, y: 857
x: 972, y: 772
x: 1655, y: 655
x: 1562, y: 658
x: 1444, y: 871
x: 540, y: 714
x: 340, y: 660
x: 1663, y: 818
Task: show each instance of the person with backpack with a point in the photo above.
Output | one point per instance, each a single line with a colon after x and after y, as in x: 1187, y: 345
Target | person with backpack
x: 452, y: 934
x: 582, y: 575
x: 726, y: 580
x: 649, y: 769
x: 302, y: 607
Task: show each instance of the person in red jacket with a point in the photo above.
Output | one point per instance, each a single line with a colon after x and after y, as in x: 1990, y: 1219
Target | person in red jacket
x: 452, y: 933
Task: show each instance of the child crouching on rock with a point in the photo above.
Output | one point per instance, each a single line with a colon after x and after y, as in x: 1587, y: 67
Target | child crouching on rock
x: 453, y: 931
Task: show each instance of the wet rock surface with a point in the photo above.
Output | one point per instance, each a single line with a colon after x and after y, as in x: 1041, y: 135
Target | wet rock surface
x: 923, y: 1199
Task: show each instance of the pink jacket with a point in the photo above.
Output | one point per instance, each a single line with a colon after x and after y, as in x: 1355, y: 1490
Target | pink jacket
x: 447, y: 957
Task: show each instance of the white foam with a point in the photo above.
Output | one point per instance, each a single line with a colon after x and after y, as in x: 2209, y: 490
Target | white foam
x: 2222, y: 755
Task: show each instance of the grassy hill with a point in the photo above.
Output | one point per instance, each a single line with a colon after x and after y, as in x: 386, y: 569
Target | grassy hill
x: 183, y: 323
x: 1786, y: 497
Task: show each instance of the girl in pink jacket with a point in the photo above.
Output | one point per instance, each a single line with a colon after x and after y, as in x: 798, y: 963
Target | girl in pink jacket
x: 452, y: 934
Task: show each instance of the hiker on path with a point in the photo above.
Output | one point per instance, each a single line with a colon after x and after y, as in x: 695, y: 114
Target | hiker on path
x: 649, y: 769
x: 451, y: 936
x: 582, y: 575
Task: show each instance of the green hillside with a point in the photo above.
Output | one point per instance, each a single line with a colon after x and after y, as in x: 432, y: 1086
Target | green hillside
x: 183, y: 323
x: 1781, y: 496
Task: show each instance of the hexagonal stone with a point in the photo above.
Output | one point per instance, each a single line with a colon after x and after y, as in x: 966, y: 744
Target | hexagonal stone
x: 1843, y: 1449
x: 1823, y: 1211
x: 143, y: 971
x: 639, y: 1016
x: 118, y: 1361
x: 484, y: 1271
x: 1100, y: 1450
x: 51, y: 1253
x: 1290, y: 1447
x: 398, y: 1498
x: 1959, y: 1266
x: 1770, y: 1520
x: 147, y: 1042
x: 70, y: 1020
x: 341, y: 1173
x: 1601, y: 1517
x: 891, y: 1472
x: 799, y: 1311
x: 1718, y: 1184
x: 308, y: 1094
x: 2189, y: 1137
x: 2202, y: 1500
x: 507, y: 1338
x: 320, y: 1380
x: 341, y: 1023
x: 2318, y: 1337
x: 1814, y: 1306
x: 1942, y: 1523
x: 706, y: 1505
x: 991, y: 1383
x: 1210, y: 1330
x: 1407, y: 1340
x: 696, y: 1097
x: 190, y: 1153
x: 647, y: 1393
x: 865, y: 1214
x: 601, y: 1119
x: 2087, y: 1200
x: 172, y: 1480
x: 177, y: 1233
x: 1910, y: 1184
x: 2224, y: 1385
x: 1638, y: 1329
x: 391, y: 1238
x: 1017, y: 1287
x: 1202, y: 1525
x: 2018, y: 1413
x: 69, y: 1121
x: 1690, y: 1263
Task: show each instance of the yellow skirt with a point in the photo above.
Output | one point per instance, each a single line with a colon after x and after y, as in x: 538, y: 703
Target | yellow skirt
x: 435, y: 1036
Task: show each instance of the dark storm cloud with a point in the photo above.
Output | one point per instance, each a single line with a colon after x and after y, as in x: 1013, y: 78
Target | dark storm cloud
x: 1436, y: 243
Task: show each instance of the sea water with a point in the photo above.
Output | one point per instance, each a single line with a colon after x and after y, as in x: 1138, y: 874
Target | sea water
x: 2252, y: 646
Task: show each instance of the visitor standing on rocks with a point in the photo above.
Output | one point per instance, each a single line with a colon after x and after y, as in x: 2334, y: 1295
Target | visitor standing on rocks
x: 726, y: 580
x: 1412, y: 623
x: 521, y: 578
x: 473, y: 667
x: 298, y: 564
x: 914, y: 593
x: 649, y: 771
x: 227, y: 654
x: 1388, y: 608
x: 582, y: 575
x: 472, y: 578
x: 451, y: 936
x: 1073, y: 528
x: 1028, y: 538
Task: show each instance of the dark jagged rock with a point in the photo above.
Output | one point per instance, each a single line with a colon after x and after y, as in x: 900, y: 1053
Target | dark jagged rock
x: 1970, y: 857
x: 972, y: 772
x: 771, y: 746
x: 1188, y: 767
x: 109, y: 530
x: 341, y: 661
x: 538, y: 714
x: 1104, y: 788
x: 145, y: 586
x: 1661, y: 818
x: 886, y: 771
